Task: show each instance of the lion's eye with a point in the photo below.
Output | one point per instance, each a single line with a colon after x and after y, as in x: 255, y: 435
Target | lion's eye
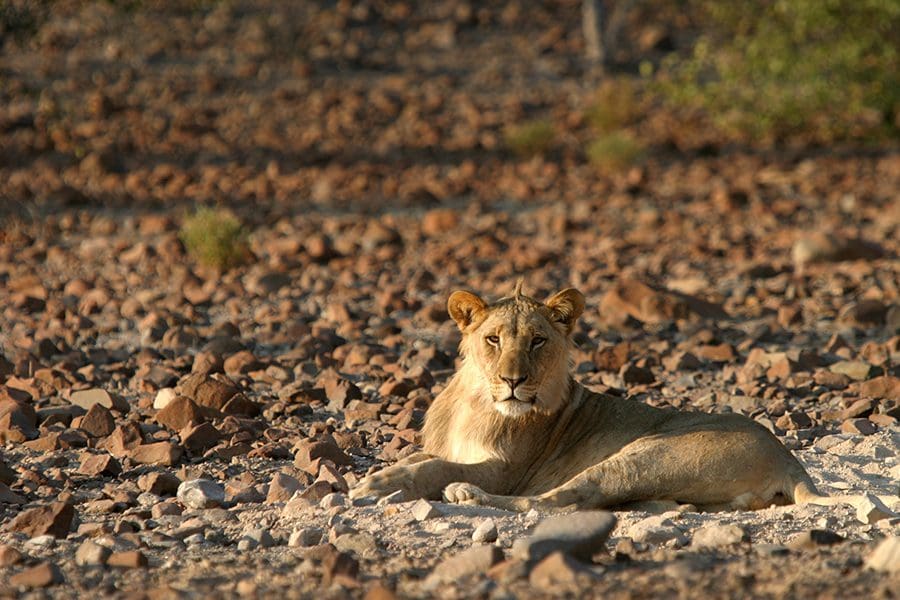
x: 537, y: 342
x: 493, y: 340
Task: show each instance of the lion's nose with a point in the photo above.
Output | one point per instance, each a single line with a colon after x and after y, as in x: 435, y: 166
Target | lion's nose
x: 512, y: 382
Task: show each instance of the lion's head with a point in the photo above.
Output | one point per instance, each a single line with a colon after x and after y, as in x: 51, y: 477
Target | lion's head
x: 516, y: 350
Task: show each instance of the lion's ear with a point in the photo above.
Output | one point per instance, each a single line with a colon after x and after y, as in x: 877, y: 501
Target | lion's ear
x: 463, y: 307
x: 566, y: 306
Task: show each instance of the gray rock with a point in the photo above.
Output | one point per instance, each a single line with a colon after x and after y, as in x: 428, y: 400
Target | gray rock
x: 886, y: 557
x: 476, y: 559
x: 91, y: 553
x: 361, y: 544
x: 201, y: 493
x: 580, y: 534
x: 306, y: 536
x: 657, y: 530
x: 486, y: 532
x: 717, y: 536
x: 423, y: 509
x: 260, y: 536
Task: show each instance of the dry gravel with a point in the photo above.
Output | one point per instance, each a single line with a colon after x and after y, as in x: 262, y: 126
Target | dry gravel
x: 762, y: 283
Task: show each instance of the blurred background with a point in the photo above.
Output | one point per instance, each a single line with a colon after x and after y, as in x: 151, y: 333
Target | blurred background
x: 283, y: 105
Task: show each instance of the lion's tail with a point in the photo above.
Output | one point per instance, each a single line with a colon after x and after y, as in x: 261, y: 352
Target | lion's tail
x: 800, y: 489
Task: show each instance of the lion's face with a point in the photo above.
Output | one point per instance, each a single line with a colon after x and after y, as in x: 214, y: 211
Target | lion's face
x: 517, y: 349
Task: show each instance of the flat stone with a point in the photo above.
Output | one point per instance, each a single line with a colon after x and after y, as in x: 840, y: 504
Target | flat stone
x: 886, y: 556
x: 88, y: 398
x: 580, y: 534
x: 40, y: 576
x: 99, y: 464
x: 359, y: 543
x: 129, y: 559
x: 854, y: 369
x: 157, y: 453
x: 717, y: 536
x: 201, y: 493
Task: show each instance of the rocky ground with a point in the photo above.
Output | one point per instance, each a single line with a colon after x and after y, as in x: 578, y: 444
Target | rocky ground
x: 362, y: 145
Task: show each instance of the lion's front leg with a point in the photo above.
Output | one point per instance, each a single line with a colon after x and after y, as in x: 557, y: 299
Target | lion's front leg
x: 423, y: 476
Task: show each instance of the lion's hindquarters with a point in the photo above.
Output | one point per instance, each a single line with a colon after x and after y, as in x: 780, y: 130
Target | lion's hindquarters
x: 741, y: 468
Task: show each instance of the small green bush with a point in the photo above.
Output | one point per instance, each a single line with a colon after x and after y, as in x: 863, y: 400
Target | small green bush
x: 819, y: 70
x: 215, y: 238
x: 614, y: 151
x: 532, y: 138
x: 616, y: 104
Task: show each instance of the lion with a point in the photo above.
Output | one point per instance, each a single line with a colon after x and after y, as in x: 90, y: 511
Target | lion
x: 514, y: 430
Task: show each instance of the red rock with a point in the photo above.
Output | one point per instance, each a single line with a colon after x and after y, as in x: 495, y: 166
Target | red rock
x: 158, y: 453
x: 882, y: 420
x: 632, y: 298
x: 315, y: 492
x: 329, y: 474
x: 211, y: 391
x: 340, y: 392
x: 360, y: 410
x: 159, y: 483
x: 7, y: 475
x: 198, y: 438
x: 242, y: 363
x: 52, y: 519
x: 97, y: 464
x: 179, y: 412
x: 559, y: 569
x: 239, y: 404
x: 306, y: 451
x: 794, y: 420
x: 129, y: 559
x: 859, y: 426
x: 781, y: 370
x: 17, y: 421
x: 716, y: 353
x: 396, y: 387
x: 123, y: 439
x: 282, y: 487
x: 40, y: 576
x: 885, y: 386
x: 340, y: 568
x: 8, y: 496
x: 98, y: 422
x: 439, y: 221
x: 10, y: 556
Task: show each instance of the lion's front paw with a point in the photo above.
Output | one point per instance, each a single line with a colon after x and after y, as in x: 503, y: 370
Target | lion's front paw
x: 464, y: 493
x: 387, y: 481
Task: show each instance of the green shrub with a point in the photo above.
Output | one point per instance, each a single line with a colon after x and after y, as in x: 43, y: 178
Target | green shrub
x: 616, y: 104
x: 215, y: 238
x: 614, y: 151
x: 531, y: 138
x: 815, y: 69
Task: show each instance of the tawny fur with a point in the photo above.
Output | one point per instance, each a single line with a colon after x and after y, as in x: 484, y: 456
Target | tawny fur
x: 512, y: 429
